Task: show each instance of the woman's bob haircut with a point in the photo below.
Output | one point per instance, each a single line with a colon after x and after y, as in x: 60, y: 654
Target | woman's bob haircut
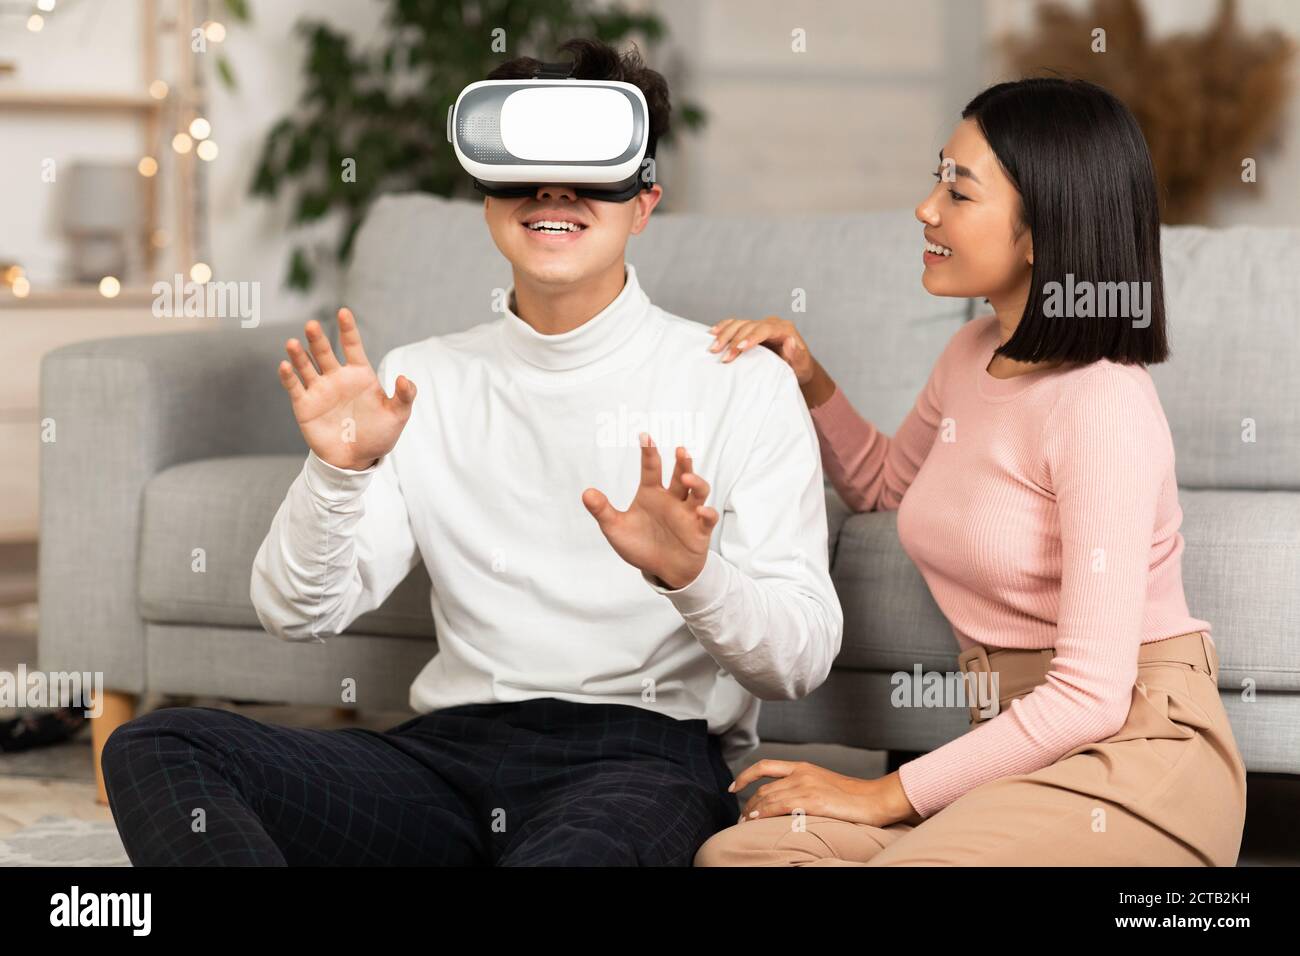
x: 1088, y: 198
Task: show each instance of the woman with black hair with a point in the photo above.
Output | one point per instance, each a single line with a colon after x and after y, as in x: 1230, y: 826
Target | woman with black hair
x: 1035, y: 488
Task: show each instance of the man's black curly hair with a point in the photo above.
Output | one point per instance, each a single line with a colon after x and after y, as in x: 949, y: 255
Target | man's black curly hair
x: 594, y: 60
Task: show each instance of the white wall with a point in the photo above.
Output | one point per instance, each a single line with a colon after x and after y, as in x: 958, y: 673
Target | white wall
x: 1274, y: 199
x: 92, y: 49
x: 251, y: 239
x: 851, y: 124
x: 95, y: 46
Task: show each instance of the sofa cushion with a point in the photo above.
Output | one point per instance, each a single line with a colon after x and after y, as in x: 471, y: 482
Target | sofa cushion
x: 1231, y: 301
x: 225, y: 507
x: 1241, y: 573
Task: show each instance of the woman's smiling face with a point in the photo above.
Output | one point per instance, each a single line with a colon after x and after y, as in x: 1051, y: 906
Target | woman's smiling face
x: 973, y: 213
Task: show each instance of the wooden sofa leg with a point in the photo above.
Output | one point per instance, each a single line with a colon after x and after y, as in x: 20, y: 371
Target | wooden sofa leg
x: 119, y: 707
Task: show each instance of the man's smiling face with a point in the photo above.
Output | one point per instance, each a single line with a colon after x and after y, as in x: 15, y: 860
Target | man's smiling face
x: 558, y: 237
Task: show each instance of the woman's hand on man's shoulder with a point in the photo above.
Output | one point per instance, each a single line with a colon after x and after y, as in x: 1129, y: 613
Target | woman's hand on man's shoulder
x: 733, y: 337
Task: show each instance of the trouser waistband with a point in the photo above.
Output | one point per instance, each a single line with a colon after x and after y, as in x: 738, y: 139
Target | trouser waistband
x: 1009, y: 672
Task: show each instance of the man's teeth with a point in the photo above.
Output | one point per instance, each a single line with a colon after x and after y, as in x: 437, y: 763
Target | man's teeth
x: 552, y: 225
x: 937, y: 249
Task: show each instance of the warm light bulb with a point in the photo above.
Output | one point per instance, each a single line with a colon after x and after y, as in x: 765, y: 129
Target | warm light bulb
x: 200, y: 128
x: 45, y: 5
x: 214, y: 31
x: 200, y: 272
x: 21, y: 287
x: 35, y: 22
x: 207, y: 150
x: 182, y: 143
x: 109, y: 287
x: 158, y: 89
x: 148, y: 166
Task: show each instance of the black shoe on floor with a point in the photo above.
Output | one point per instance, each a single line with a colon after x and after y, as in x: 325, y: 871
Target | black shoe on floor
x: 40, y: 730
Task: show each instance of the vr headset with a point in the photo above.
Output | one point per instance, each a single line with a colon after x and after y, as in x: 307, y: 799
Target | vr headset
x: 513, y: 136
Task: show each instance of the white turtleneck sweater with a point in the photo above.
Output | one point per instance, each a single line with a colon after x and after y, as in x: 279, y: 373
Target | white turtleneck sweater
x: 529, y: 599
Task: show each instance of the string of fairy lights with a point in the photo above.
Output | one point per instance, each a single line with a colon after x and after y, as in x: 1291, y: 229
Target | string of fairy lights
x: 192, y: 134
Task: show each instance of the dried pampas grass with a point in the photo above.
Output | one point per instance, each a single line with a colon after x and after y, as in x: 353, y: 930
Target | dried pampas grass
x: 1206, y: 101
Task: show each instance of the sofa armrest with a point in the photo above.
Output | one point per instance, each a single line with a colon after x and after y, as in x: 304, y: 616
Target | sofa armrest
x: 119, y: 411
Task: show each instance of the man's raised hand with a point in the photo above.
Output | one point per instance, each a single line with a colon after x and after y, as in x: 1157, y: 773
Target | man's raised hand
x: 342, y: 410
x: 665, y: 531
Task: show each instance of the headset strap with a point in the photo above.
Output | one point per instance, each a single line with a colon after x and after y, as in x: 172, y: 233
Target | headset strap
x: 554, y: 71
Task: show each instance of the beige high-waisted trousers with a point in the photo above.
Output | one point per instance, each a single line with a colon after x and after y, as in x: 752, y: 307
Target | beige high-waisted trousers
x: 1169, y: 789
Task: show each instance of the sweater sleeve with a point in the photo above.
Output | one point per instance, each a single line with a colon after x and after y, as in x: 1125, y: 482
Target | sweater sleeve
x: 1107, y: 455
x: 869, y: 469
x: 338, y: 546
x: 764, y: 606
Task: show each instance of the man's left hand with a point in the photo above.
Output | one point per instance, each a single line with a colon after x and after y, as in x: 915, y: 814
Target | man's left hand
x: 665, y: 531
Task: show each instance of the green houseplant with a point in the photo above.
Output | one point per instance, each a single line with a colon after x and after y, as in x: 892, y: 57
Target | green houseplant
x: 380, y: 114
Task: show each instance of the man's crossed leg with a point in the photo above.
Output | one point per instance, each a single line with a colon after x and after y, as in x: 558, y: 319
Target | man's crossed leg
x: 536, y: 782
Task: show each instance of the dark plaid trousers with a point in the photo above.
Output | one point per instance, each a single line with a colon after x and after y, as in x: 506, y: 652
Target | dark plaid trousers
x: 538, y: 782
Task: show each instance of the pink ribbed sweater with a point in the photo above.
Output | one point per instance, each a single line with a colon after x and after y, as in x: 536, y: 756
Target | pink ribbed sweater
x: 1042, y: 511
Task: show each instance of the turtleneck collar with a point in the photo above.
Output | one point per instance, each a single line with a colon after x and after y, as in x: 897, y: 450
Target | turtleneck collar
x: 596, y: 338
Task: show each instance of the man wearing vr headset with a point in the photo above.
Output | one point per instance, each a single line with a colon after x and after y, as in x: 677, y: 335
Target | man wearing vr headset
x: 595, y: 669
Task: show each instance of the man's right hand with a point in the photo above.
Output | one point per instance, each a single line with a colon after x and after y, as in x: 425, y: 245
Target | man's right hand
x: 342, y: 410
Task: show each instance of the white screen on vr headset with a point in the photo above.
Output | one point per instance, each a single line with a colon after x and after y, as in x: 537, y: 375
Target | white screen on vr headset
x: 582, y: 124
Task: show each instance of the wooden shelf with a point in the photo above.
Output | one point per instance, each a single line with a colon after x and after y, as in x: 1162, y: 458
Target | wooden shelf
x: 77, y: 102
x: 132, y: 104
x: 76, y: 297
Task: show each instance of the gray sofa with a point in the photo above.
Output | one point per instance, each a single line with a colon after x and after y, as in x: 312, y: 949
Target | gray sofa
x: 179, y: 442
